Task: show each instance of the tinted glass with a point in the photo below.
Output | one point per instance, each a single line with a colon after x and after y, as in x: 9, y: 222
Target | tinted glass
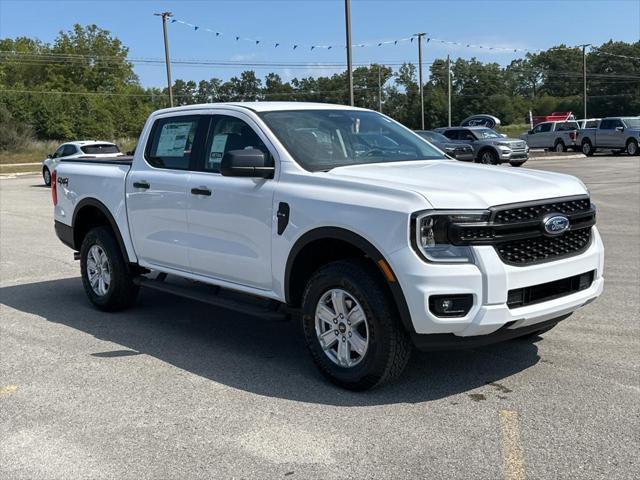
x: 58, y: 152
x: 467, y: 135
x: 433, y: 136
x: 171, y: 142
x: 451, y: 134
x: 69, y: 150
x: 229, y: 133
x: 326, y: 139
x: 485, y: 133
x: 606, y: 124
x: 563, y: 127
x: 101, y: 148
x: 632, y: 122
x: 544, y: 127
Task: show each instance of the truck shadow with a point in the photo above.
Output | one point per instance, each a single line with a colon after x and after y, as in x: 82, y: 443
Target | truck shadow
x: 247, y: 353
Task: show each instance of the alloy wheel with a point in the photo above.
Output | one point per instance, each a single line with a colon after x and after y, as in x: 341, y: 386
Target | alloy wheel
x: 342, y: 328
x: 98, y: 270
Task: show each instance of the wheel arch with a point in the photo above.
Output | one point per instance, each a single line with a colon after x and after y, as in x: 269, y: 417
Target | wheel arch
x: 91, y: 213
x: 302, y: 262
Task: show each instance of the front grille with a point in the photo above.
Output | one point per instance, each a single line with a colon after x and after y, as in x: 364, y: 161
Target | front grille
x: 543, y: 292
x: 517, y: 231
x: 540, y: 249
x: 531, y: 212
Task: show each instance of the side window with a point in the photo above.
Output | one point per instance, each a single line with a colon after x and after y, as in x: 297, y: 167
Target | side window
x: 545, y: 127
x: 466, y: 135
x: 606, y: 125
x: 69, y: 150
x: 171, y: 141
x: 59, y: 151
x: 567, y: 126
x: 451, y: 134
x: 537, y: 128
x: 617, y: 123
x: 226, y: 134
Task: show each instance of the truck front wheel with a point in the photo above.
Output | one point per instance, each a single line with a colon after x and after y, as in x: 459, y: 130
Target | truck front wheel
x: 632, y: 147
x: 351, y: 326
x: 105, y: 277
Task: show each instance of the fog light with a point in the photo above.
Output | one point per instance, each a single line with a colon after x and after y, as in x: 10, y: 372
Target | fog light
x: 450, y: 305
x: 586, y: 279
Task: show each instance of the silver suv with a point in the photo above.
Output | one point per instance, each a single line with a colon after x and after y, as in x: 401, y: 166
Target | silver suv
x: 488, y: 145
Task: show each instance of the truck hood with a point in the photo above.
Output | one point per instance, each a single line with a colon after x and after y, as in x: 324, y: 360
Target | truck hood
x: 453, y: 184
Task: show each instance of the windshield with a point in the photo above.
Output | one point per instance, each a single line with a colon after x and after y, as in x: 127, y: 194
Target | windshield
x: 326, y: 139
x: 484, y: 133
x: 632, y: 122
x: 433, y: 136
x: 99, y: 148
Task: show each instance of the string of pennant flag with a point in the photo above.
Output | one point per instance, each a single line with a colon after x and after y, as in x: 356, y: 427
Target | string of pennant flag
x: 379, y: 43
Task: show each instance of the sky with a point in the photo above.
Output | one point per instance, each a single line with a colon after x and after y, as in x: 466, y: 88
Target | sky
x: 537, y: 24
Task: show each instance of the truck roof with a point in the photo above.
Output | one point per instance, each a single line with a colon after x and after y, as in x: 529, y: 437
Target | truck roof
x: 263, y: 106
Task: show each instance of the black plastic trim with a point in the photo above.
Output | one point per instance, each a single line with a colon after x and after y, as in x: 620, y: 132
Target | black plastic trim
x: 283, y: 217
x: 64, y: 233
x: 92, y: 202
x: 120, y: 160
x: 449, y: 341
x: 364, y: 245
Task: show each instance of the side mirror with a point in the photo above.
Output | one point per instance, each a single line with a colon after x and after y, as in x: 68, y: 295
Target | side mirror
x: 246, y: 163
x: 620, y: 129
x: 49, y: 155
x: 531, y: 132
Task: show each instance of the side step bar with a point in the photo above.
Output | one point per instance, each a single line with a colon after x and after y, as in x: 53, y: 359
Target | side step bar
x: 272, y: 310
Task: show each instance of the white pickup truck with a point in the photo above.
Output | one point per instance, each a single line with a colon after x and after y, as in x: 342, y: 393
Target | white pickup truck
x: 309, y: 211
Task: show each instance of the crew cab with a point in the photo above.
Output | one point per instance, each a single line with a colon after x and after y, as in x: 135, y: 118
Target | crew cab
x: 337, y: 217
x: 620, y: 134
x: 490, y: 147
x: 557, y: 136
x: 81, y: 148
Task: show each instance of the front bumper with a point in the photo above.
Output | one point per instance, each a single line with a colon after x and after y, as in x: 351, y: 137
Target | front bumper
x: 488, y: 280
x: 508, y: 155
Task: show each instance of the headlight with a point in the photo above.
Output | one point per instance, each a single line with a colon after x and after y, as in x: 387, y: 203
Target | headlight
x: 430, y: 234
x: 505, y: 145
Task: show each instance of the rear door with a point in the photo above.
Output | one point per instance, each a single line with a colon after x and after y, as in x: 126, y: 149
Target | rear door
x: 157, y: 192
x: 231, y: 218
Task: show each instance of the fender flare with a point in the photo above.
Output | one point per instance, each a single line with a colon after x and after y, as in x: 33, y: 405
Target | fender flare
x: 92, y: 202
x: 338, y: 233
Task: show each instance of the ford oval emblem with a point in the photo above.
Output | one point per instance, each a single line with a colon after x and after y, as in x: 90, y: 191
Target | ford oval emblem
x: 556, y: 224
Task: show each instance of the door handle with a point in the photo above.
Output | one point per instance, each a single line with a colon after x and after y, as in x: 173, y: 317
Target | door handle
x: 142, y: 184
x: 201, y: 191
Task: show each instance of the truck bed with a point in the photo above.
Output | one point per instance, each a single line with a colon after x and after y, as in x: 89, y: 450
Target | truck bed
x: 116, y: 159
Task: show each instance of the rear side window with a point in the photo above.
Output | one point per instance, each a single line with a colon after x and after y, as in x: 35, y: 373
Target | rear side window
x: 451, y: 134
x: 171, y: 142
x: 99, y: 149
x: 563, y: 127
x: 59, y: 152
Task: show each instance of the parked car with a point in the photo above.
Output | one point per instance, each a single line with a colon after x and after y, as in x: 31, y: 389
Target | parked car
x: 92, y: 148
x: 455, y: 150
x: 371, y: 250
x: 557, y: 136
x: 489, y: 146
x: 620, y: 134
x: 588, y: 123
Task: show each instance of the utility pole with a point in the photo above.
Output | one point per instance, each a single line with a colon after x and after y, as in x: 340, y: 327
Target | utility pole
x: 449, y: 86
x: 584, y: 78
x: 379, y: 89
x: 164, y: 16
x: 347, y: 19
x: 420, y: 35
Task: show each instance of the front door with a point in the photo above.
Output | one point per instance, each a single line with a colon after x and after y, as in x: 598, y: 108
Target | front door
x: 157, y: 193
x: 231, y: 218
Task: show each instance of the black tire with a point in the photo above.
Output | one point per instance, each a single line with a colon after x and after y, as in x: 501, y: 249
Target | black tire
x: 587, y: 148
x: 632, y: 147
x: 537, y: 333
x: 517, y: 163
x: 389, y: 346
x: 487, y: 157
x: 121, y: 291
x: 46, y: 176
x: 559, y: 147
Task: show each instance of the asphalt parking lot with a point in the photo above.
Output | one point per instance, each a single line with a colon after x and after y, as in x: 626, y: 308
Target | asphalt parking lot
x: 178, y: 389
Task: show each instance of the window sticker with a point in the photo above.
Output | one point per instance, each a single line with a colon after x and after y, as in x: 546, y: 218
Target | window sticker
x: 173, y: 139
x: 217, y: 148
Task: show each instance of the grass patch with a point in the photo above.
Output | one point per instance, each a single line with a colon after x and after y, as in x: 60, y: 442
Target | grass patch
x: 9, y: 169
x: 515, y: 130
x: 37, y: 150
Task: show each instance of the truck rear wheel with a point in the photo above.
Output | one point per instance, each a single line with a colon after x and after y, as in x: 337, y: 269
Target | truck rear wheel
x: 632, y: 147
x: 351, y: 326
x: 559, y: 147
x: 587, y: 148
x: 105, y: 277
